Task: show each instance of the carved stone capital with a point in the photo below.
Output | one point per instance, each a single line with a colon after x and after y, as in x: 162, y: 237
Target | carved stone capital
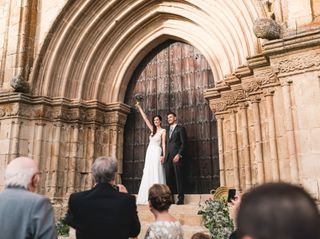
x: 269, y: 92
x: 218, y: 106
x: 255, y: 98
x: 228, y: 99
x: 61, y: 110
x: 261, y: 80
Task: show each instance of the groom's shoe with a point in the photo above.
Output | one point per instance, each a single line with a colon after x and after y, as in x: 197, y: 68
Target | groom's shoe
x: 180, y: 202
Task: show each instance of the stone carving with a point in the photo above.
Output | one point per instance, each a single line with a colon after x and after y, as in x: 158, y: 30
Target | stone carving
x: 232, y: 97
x: 19, y: 84
x: 218, y: 107
x: 299, y: 63
x: 266, y: 28
x: 2, y: 112
x: 12, y: 110
x: 252, y: 86
x: 261, y: 79
x: 228, y: 99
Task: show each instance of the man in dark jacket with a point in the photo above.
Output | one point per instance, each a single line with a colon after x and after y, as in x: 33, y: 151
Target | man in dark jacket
x: 105, y: 211
x: 176, y: 143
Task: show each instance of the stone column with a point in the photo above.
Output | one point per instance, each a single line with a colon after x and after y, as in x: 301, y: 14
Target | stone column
x: 258, y: 141
x: 38, y: 143
x: 54, y: 165
x: 294, y: 170
x: 234, y: 149
x: 116, y: 120
x: 73, y: 160
x: 272, y: 136
x: 246, y: 145
x: 15, y: 132
x: 221, y: 151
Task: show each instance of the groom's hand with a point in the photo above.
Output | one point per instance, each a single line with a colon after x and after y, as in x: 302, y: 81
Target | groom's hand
x: 176, y: 158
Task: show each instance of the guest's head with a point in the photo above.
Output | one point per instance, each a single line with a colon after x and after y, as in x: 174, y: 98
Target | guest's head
x: 104, y: 169
x: 171, y: 118
x: 22, y: 172
x: 278, y: 211
x: 200, y: 235
x: 160, y: 197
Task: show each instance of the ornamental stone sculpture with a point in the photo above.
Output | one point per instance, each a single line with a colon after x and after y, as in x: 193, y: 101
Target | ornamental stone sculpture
x: 19, y: 84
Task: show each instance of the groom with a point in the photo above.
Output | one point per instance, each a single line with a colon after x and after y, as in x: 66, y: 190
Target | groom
x: 176, y: 143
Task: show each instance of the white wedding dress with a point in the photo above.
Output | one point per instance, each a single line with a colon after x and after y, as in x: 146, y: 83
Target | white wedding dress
x: 153, y: 171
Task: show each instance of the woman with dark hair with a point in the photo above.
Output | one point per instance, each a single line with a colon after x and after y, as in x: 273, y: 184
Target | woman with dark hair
x: 153, y: 171
x: 165, y: 225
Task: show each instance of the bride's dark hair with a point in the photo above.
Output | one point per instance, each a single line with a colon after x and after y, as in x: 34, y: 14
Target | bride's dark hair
x: 154, y: 127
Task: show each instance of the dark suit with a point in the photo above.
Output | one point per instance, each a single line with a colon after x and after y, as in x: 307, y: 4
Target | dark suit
x: 103, y: 212
x: 174, y: 173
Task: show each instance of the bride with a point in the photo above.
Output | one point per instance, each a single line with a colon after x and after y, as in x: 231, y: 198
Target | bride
x: 153, y: 171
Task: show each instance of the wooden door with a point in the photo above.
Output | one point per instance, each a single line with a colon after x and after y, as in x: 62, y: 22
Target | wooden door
x: 172, y: 78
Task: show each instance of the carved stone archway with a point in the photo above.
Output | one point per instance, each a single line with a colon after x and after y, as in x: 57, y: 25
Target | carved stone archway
x: 74, y: 111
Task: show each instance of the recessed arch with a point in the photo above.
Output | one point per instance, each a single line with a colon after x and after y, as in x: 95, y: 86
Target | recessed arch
x: 93, y: 47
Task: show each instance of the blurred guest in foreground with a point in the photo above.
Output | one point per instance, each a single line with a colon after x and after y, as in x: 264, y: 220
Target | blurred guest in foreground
x: 278, y: 211
x: 23, y: 213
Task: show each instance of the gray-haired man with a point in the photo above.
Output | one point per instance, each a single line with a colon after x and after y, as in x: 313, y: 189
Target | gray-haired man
x: 24, y: 214
x: 105, y: 211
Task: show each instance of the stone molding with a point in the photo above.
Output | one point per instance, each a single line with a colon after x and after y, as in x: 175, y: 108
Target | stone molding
x: 62, y: 110
x: 293, y: 42
x: 236, y: 89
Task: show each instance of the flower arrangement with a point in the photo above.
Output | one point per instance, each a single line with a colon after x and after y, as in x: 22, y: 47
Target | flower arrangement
x: 62, y: 228
x: 216, y: 218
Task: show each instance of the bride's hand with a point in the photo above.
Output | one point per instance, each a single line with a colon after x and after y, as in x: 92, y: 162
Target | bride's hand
x: 137, y: 104
x: 161, y: 159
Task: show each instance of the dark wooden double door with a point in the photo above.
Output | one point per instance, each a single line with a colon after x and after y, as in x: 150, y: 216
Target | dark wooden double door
x: 173, y: 77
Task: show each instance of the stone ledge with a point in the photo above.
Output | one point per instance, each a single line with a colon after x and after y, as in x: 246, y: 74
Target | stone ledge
x: 294, y: 42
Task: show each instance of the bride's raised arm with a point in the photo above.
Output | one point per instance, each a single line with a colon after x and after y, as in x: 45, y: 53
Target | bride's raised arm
x: 145, y: 118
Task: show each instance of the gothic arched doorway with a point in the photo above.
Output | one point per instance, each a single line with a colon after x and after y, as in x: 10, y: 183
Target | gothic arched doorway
x: 172, y: 77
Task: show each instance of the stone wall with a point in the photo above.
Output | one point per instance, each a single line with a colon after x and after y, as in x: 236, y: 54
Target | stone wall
x: 268, y: 116
x: 64, y: 137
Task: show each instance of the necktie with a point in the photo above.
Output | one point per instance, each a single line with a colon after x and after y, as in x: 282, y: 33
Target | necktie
x: 170, y: 132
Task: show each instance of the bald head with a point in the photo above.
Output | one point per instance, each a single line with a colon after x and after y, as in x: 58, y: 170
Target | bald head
x: 22, y: 172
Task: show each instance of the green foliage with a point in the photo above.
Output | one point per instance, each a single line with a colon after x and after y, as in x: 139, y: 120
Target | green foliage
x: 216, y: 218
x: 62, y: 228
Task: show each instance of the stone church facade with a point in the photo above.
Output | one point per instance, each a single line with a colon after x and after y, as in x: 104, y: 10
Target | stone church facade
x: 65, y: 67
